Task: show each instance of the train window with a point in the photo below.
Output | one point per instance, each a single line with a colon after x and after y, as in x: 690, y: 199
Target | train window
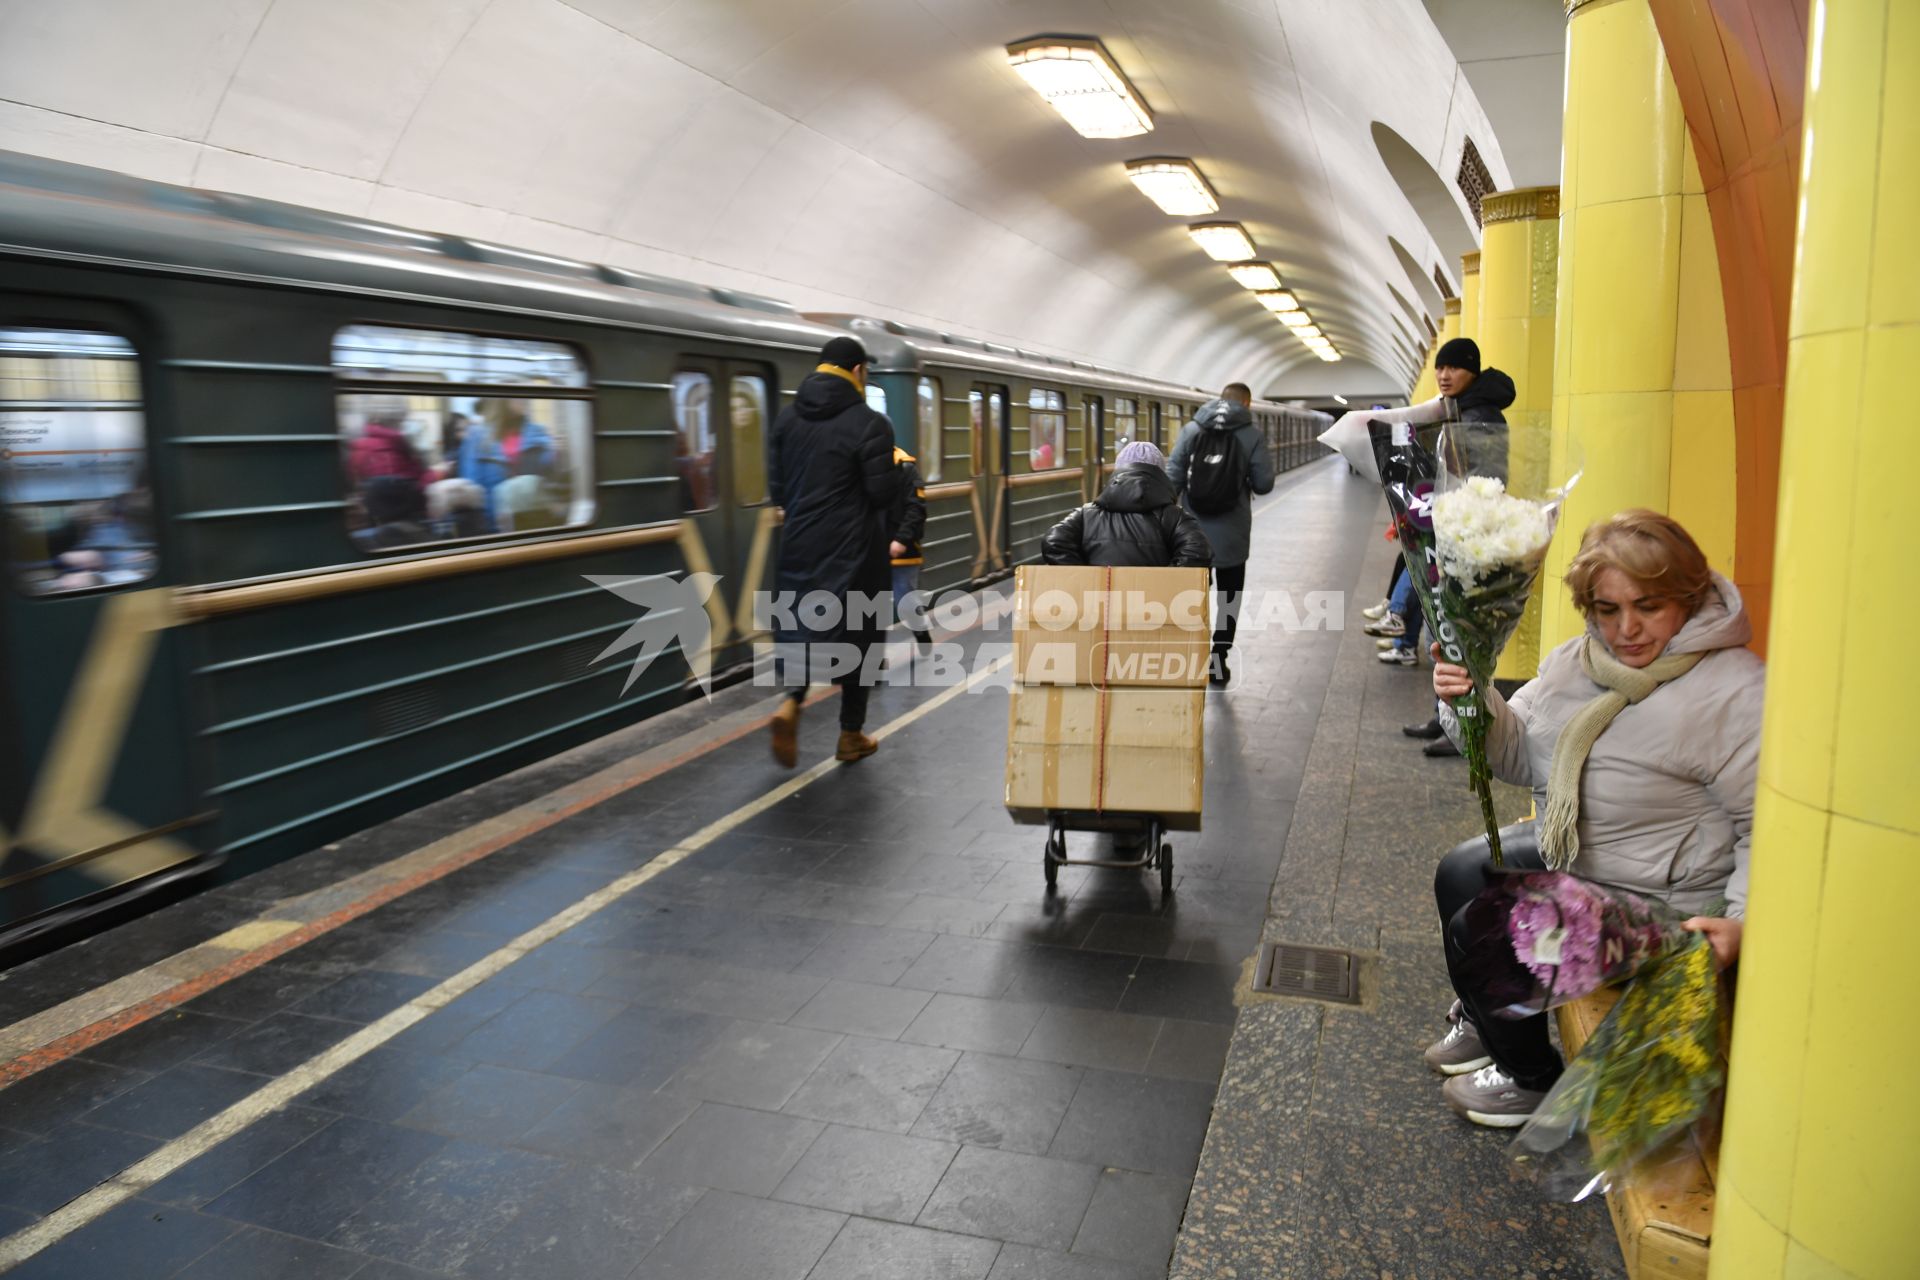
x: 977, y: 415
x: 1046, y: 429
x: 1126, y: 425
x: 748, y: 401
x: 460, y: 435
x: 876, y: 397
x: 73, y: 460
x: 927, y: 420
x: 693, y: 439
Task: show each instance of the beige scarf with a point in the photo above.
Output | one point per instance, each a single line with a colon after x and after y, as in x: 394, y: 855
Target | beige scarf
x: 1625, y: 686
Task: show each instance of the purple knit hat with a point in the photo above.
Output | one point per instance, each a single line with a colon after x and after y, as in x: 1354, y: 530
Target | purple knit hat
x: 1141, y: 451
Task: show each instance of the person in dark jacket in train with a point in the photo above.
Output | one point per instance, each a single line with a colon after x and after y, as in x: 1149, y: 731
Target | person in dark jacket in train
x: 1229, y: 530
x: 907, y: 518
x: 831, y: 468
x: 1136, y: 521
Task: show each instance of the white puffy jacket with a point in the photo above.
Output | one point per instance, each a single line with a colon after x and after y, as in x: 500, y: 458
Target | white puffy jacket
x: 1666, y: 799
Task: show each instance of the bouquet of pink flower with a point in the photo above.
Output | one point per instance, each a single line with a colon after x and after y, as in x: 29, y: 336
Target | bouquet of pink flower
x: 1545, y: 938
x: 1653, y: 1068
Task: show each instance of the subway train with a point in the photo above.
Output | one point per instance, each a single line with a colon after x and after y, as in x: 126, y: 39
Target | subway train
x: 301, y: 510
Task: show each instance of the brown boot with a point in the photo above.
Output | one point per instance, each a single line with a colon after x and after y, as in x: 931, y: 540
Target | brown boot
x: 786, y: 733
x: 854, y: 745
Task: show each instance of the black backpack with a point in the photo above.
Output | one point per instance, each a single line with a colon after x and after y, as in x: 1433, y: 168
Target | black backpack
x: 1216, y: 472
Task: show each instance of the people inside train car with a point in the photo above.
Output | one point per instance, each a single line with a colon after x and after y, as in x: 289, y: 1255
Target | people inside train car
x: 528, y: 446
x: 907, y: 518
x: 831, y: 469
x: 396, y: 511
x: 1136, y: 521
x: 1219, y: 463
x: 1640, y: 739
x: 458, y: 509
x: 383, y: 448
x: 453, y: 430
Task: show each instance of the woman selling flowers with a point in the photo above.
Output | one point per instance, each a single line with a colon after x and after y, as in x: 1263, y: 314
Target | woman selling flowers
x: 1640, y: 740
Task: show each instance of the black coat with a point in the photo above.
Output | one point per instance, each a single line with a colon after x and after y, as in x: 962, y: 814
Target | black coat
x: 830, y: 467
x: 1475, y: 442
x: 907, y: 517
x: 1136, y: 521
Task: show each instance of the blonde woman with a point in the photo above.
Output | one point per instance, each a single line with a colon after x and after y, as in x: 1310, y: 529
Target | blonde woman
x: 1640, y: 740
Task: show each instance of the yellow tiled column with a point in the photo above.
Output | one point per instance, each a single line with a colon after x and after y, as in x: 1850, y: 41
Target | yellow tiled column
x: 1820, y: 1164
x: 1520, y: 260
x: 1470, y: 295
x: 1642, y: 394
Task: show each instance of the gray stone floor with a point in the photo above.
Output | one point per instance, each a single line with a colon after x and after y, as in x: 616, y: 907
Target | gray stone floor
x: 850, y: 1038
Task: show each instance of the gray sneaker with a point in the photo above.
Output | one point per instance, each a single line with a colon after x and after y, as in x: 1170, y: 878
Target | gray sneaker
x: 1459, y: 1051
x: 1490, y: 1097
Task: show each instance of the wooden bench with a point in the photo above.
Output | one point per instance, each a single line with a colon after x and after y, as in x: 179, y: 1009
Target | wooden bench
x: 1664, y: 1229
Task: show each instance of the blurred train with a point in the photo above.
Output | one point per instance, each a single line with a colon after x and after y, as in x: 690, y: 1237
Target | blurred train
x: 300, y: 508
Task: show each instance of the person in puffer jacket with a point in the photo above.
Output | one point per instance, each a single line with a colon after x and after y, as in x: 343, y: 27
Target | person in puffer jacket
x: 1136, y: 521
x: 1641, y: 742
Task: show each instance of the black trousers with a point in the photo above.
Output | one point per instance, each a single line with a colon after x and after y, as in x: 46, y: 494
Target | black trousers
x: 797, y: 663
x: 1230, y: 581
x: 1521, y: 1047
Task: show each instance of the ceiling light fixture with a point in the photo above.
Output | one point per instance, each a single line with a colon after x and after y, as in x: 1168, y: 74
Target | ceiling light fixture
x: 1307, y: 332
x: 1294, y: 319
x: 1082, y: 82
x: 1223, y: 241
x: 1176, y: 185
x: 1276, y: 300
x: 1258, y: 276
x: 1329, y: 355
x: 1341, y: 399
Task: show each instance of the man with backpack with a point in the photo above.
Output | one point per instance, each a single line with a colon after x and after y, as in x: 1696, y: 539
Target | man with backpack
x: 1220, y: 461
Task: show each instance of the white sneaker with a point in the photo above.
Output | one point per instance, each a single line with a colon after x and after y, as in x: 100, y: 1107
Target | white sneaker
x: 1491, y: 1098
x: 1378, y: 611
x: 1386, y: 642
x: 1399, y: 657
x: 1391, y: 625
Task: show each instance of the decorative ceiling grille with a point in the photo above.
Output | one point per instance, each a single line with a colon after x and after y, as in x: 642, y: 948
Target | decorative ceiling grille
x: 1474, y: 179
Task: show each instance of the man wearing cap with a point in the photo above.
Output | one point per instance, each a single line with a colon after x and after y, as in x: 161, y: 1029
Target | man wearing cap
x: 831, y: 468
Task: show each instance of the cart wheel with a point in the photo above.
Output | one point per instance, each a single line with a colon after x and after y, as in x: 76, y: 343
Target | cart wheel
x: 1166, y: 869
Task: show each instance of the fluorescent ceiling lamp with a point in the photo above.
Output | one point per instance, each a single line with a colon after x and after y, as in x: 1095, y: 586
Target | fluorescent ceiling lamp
x: 1317, y: 343
x: 1294, y: 319
x: 1341, y: 399
x: 1277, y: 300
x: 1223, y: 241
x: 1174, y: 184
x: 1307, y: 332
x: 1078, y: 78
x: 1330, y: 356
x: 1255, y: 275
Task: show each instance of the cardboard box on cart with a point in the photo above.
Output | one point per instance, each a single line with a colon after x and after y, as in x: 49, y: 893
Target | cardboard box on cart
x: 1108, y: 706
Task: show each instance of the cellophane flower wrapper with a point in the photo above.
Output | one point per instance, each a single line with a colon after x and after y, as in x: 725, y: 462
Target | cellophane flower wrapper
x: 1474, y: 551
x: 1652, y: 1070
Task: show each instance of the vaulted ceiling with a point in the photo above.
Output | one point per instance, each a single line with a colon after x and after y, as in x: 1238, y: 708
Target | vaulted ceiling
x: 874, y: 156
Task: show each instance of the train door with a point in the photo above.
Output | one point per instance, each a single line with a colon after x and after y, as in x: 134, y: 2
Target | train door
x: 722, y: 413
x: 1093, y: 424
x: 993, y: 461
x: 97, y: 788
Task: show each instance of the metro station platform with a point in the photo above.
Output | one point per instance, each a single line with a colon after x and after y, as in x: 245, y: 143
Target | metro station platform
x: 659, y: 1008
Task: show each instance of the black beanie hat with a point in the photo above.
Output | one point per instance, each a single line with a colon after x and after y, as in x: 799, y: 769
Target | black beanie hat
x: 845, y: 353
x: 1458, y: 353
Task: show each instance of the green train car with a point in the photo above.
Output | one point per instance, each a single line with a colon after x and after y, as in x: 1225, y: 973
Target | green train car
x: 301, y: 510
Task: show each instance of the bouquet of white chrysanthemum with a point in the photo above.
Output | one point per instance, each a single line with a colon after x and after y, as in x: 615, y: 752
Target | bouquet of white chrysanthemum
x: 1473, y: 551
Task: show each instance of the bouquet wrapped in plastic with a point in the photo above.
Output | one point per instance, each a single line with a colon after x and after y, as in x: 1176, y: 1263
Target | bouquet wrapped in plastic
x: 1474, y: 551
x: 1653, y: 1068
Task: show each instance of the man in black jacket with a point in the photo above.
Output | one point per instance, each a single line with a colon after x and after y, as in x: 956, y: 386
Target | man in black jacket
x: 831, y: 469
x: 1137, y: 520
x: 907, y: 517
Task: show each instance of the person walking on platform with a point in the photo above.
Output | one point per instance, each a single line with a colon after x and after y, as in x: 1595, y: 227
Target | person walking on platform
x: 907, y: 517
x: 1219, y: 463
x: 1136, y: 521
x: 831, y: 469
